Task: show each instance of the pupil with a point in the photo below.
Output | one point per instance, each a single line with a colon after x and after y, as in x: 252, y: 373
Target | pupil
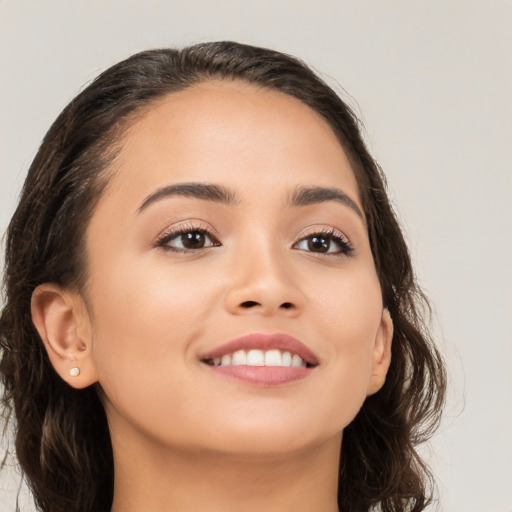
x: 318, y: 244
x: 193, y: 240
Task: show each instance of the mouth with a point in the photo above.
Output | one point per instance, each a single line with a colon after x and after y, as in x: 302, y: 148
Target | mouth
x: 262, y: 359
x: 256, y: 357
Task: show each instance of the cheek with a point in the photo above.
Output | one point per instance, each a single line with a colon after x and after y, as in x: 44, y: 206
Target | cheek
x: 148, y: 300
x: 145, y: 317
x: 349, y: 317
x: 349, y: 305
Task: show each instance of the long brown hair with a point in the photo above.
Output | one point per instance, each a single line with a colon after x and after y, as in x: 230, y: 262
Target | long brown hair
x: 62, y: 437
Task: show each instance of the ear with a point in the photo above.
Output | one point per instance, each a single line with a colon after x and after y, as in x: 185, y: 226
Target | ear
x: 381, y: 356
x: 62, y: 320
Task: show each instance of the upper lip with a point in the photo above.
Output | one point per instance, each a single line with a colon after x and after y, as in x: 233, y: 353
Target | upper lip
x: 260, y: 341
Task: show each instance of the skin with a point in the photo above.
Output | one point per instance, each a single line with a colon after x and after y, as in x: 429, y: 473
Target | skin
x: 185, y: 438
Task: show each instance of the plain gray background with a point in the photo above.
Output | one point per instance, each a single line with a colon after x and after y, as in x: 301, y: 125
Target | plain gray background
x: 433, y: 83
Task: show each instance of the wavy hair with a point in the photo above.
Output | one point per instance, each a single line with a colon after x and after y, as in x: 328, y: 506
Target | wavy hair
x: 62, y: 436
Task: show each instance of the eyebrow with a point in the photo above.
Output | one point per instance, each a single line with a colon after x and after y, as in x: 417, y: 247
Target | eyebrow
x: 305, y: 196
x: 207, y: 192
x: 302, y: 196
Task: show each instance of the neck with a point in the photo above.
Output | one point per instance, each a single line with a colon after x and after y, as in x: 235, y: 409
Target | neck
x: 149, y: 478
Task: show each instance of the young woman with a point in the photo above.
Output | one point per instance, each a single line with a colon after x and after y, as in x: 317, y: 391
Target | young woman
x: 209, y: 302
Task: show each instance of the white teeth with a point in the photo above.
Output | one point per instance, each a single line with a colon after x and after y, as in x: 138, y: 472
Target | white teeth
x: 297, y: 362
x: 256, y: 357
x: 239, y: 357
x: 273, y: 358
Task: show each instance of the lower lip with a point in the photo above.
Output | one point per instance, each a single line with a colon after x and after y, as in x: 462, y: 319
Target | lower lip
x: 263, y: 375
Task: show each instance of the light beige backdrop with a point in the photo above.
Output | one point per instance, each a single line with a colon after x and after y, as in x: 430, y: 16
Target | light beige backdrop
x: 433, y: 82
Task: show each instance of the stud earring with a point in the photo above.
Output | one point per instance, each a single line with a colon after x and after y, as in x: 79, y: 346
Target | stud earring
x: 74, y: 372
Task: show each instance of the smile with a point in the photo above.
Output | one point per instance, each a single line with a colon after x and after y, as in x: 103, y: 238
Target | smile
x: 262, y: 359
x: 257, y: 357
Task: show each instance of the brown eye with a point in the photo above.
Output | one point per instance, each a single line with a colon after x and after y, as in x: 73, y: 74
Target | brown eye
x: 319, y: 243
x: 193, y: 240
x: 188, y: 240
x: 331, y: 243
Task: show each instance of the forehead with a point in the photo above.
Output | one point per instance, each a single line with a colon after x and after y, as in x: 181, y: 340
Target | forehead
x: 231, y: 133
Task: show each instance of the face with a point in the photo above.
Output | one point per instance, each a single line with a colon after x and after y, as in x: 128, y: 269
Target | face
x: 231, y: 237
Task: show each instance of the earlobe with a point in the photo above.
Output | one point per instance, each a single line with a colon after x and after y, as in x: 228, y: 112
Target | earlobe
x: 381, y: 357
x: 61, y: 320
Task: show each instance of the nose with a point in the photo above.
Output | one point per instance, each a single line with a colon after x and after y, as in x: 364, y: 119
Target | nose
x: 264, y: 283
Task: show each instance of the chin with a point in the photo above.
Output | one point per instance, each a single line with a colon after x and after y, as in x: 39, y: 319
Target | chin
x: 273, y: 439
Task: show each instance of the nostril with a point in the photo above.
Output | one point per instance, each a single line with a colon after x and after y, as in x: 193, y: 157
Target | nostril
x: 250, y: 304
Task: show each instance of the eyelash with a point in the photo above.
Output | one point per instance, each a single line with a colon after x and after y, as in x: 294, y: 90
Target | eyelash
x: 174, y: 233
x: 346, y: 248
